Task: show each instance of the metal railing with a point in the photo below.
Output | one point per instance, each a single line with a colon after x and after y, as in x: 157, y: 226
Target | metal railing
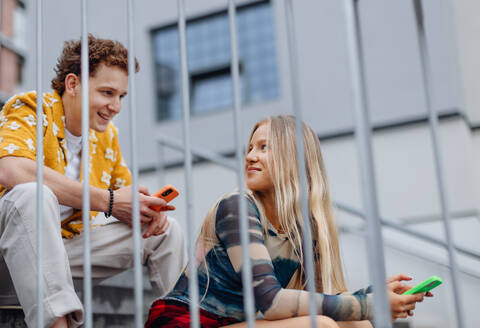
x: 363, y: 134
x: 39, y: 154
x: 297, y: 109
x: 87, y: 263
x: 249, y: 304
x: 376, y: 260
x: 439, y: 169
x: 192, y: 282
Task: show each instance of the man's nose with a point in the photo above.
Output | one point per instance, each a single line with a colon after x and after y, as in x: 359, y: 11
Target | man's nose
x: 115, y: 105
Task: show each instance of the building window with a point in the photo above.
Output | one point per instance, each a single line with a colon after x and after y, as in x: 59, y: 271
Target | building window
x: 12, y: 46
x: 19, y: 25
x: 208, y: 46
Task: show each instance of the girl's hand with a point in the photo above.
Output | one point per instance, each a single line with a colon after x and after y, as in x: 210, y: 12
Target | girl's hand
x: 401, y: 305
x: 398, y: 277
x: 404, y: 277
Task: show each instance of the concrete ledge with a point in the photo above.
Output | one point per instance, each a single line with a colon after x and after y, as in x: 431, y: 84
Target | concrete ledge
x: 12, y: 317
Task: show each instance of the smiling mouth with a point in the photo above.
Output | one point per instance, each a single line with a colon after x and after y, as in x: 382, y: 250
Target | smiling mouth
x: 253, y: 169
x: 103, y: 117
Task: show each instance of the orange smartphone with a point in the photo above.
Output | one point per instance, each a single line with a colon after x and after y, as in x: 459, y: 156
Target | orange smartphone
x: 167, y: 193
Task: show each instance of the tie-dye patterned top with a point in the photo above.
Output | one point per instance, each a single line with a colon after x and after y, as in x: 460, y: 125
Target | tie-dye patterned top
x: 273, y: 266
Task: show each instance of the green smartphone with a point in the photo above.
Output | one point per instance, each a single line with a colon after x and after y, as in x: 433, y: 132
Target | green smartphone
x: 425, y: 286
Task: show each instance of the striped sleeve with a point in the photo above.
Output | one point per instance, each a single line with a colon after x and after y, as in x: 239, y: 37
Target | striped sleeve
x: 271, y: 299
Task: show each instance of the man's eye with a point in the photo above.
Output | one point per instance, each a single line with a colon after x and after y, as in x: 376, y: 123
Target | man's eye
x: 107, y: 92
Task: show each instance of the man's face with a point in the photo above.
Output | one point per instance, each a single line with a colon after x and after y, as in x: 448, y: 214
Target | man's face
x: 106, y: 90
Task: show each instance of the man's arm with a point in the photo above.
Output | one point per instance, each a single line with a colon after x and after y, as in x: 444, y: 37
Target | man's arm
x: 17, y: 170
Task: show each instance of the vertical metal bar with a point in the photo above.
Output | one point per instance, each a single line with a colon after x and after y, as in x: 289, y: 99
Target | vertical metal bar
x: 39, y: 131
x: 193, y: 279
x: 87, y: 266
x: 137, y: 265
x: 1, y: 31
x: 239, y: 154
x: 381, y: 310
x: 297, y: 109
x: 440, y: 171
x: 161, y: 163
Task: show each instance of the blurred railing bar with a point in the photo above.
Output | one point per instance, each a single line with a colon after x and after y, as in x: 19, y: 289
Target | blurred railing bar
x: 419, y: 219
x: 411, y: 232
x: 199, y: 152
x: 193, y: 278
x: 87, y: 263
x: 1, y: 37
x: 137, y: 243
x: 414, y: 252
x: 160, y: 168
x: 247, y: 284
x: 302, y: 174
x: 363, y: 137
x: 39, y: 155
x: 437, y: 152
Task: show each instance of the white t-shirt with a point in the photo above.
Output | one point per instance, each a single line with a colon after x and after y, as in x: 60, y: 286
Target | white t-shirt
x: 72, y: 170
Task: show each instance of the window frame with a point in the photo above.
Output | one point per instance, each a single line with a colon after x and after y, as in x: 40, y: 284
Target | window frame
x: 193, y: 75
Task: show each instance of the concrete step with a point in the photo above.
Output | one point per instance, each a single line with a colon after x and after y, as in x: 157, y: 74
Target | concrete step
x: 11, y: 317
x: 113, y: 303
x: 14, y: 318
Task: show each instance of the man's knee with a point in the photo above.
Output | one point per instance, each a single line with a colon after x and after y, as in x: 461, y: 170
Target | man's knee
x: 28, y: 191
x: 177, y: 237
x: 175, y: 230
x: 22, y: 199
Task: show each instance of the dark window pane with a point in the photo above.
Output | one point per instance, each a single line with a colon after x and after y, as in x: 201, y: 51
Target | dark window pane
x: 208, y: 46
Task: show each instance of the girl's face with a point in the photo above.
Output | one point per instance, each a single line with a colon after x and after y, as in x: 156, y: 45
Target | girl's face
x: 256, y: 162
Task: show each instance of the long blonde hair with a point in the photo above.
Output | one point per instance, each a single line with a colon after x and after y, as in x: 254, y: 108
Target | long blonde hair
x: 284, y: 172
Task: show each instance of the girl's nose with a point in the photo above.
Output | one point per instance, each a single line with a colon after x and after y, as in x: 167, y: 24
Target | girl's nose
x: 251, y: 157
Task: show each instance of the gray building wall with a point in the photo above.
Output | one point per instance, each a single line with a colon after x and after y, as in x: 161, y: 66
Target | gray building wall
x: 403, y: 154
x: 395, y: 86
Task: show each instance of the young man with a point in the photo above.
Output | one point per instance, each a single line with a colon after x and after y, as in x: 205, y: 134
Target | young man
x: 112, y: 246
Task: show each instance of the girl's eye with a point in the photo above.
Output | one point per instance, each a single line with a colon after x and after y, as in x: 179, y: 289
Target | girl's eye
x: 264, y: 147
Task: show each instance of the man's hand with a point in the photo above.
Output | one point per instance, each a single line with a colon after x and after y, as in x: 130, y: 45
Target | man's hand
x: 122, y: 208
x: 157, y: 226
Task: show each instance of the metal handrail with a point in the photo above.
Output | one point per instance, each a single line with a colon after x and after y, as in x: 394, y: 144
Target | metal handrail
x: 416, y: 253
x: 424, y: 237
x: 229, y: 164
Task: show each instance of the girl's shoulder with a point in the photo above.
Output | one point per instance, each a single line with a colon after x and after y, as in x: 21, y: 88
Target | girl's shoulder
x: 229, y: 204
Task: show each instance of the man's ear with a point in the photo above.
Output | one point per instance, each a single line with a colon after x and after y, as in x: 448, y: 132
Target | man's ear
x: 72, y: 83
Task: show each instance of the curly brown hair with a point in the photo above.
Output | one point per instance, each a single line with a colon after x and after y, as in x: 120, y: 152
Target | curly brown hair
x: 100, y: 51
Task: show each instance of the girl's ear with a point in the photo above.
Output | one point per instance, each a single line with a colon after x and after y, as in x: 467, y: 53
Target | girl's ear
x: 72, y: 82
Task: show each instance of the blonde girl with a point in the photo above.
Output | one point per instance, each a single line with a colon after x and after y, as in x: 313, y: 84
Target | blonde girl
x: 276, y: 253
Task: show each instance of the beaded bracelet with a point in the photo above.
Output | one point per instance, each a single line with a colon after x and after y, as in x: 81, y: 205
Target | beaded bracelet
x: 109, y: 213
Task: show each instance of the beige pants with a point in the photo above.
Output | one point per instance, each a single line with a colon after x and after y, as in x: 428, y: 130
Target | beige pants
x: 111, y: 253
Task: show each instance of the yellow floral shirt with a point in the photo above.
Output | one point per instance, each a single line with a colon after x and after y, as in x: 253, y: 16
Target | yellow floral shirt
x: 18, y: 121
